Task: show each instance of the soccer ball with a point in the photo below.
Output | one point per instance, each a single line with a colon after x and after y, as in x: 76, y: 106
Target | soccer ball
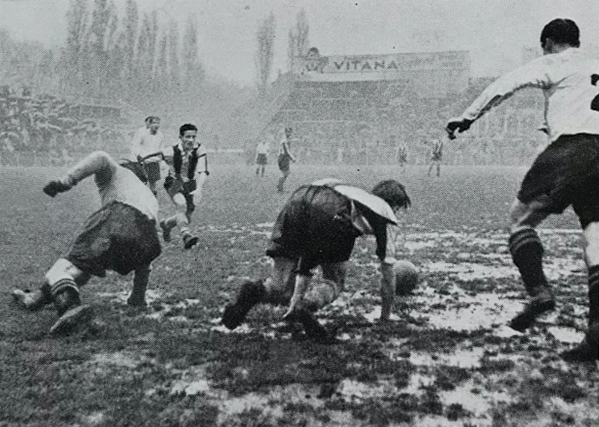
x: 406, y: 277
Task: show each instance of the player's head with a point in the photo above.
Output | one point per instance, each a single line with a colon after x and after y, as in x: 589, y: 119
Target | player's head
x: 288, y: 131
x: 560, y: 31
x: 154, y: 124
x: 137, y: 168
x: 393, y: 193
x: 147, y: 121
x: 187, y: 135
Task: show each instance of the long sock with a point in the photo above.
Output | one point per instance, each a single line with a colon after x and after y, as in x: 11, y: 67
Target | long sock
x: 527, y: 253
x: 594, y: 294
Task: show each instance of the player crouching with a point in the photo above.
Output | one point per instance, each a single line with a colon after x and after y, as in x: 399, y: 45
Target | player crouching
x: 121, y: 236
x: 318, y: 226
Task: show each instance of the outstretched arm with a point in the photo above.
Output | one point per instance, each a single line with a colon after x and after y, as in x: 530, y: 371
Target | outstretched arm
x: 97, y: 163
x: 532, y: 74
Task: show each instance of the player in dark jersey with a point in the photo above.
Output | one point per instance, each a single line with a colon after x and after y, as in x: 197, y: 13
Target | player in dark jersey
x: 185, y: 183
x: 318, y: 226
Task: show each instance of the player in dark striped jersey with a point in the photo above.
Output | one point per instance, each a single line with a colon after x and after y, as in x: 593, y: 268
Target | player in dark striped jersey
x: 185, y: 182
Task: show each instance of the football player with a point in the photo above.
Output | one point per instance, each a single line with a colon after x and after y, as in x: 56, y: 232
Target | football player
x: 121, y: 236
x: 318, y: 226
x: 565, y: 173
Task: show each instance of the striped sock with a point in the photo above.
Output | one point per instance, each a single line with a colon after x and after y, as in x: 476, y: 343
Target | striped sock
x: 527, y: 253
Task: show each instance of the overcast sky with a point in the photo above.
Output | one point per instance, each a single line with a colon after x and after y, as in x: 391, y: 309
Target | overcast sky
x: 494, y: 31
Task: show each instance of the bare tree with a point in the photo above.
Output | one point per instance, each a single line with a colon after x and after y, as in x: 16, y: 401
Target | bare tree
x: 264, y: 55
x: 73, y: 55
x: 298, y: 39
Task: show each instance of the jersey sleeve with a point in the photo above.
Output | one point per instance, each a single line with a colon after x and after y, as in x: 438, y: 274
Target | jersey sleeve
x: 202, y: 161
x: 97, y: 163
x: 136, y: 143
x: 533, y: 74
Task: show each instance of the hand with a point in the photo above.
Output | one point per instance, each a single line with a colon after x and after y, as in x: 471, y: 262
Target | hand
x: 54, y: 187
x: 459, y: 124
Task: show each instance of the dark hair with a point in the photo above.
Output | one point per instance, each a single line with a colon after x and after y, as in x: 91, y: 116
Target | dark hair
x: 393, y: 193
x: 561, y: 31
x: 187, y: 126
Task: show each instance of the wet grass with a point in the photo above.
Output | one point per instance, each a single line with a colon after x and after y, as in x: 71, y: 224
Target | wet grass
x: 171, y: 364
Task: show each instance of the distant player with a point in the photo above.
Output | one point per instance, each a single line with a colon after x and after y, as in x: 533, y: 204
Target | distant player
x: 401, y: 155
x: 318, y: 226
x: 436, y: 156
x: 565, y: 173
x: 149, y: 140
x: 185, y: 182
x: 121, y: 236
x: 262, y: 157
x: 284, y: 159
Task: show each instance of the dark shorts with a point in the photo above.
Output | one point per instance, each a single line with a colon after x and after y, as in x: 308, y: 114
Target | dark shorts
x: 118, y: 237
x: 153, y: 171
x: 314, y: 227
x: 261, y: 159
x: 174, y: 185
x: 283, y: 163
x: 566, y: 173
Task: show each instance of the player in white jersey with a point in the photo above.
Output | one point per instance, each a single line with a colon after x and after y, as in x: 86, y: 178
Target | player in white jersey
x: 147, y: 141
x: 318, y: 226
x: 565, y: 173
x: 262, y: 157
x: 121, y: 236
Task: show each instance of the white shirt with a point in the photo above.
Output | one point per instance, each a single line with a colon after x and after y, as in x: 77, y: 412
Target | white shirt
x: 565, y: 78
x: 115, y: 183
x: 145, y: 143
x: 262, y: 148
x: 375, y: 204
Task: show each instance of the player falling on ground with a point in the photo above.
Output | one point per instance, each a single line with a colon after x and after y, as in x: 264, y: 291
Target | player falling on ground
x: 185, y: 182
x: 284, y: 159
x: 121, y: 236
x: 565, y: 173
x: 147, y: 142
x: 318, y: 226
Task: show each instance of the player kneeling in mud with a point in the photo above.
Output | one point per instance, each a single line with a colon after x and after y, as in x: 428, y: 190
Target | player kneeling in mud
x: 318, y: 226
x: 121, y: 236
